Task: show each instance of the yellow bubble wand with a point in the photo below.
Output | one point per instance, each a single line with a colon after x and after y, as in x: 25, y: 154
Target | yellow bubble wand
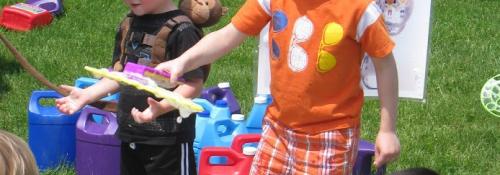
x: 141, y: 82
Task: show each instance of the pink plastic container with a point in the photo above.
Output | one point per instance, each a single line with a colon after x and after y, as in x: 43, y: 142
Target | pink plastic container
x: 24, y: 17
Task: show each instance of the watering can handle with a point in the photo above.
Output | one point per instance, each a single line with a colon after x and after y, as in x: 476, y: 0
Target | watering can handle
x: 228, y: 124
x: 242, y: 139
x: 108, y: 116
x: 37, y: 95
x: 232, y: 156
x: 207, y: 93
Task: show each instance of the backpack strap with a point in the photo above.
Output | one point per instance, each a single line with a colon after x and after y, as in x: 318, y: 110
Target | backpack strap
x: 124, y: 28
x: 160, y: 43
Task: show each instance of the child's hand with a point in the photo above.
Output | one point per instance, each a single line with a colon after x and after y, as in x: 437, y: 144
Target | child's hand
x: 386, y: 148
x: 73, y: 102
x: 175, y: 67
x: 149, y: 114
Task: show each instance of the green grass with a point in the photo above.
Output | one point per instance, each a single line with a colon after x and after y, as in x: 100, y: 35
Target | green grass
x: 450, y: 132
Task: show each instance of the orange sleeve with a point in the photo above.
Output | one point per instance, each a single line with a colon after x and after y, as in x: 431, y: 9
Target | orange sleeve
x: 376, y: 41
x: 250, y: 18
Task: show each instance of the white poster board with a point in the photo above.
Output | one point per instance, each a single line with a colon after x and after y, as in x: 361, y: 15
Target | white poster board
x: 408, y: 22
x: 263, y: 69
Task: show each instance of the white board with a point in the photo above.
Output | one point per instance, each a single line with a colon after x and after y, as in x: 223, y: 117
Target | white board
x: 408, y: 22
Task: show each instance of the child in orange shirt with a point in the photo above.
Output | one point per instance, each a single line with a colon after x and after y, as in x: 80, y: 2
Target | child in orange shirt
x: 316, y: 48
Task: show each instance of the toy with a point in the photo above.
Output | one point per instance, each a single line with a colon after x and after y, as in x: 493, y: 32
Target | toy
x: 490, y: 96
x: 53, y: 6
x: 222, y: 92
x: 239, y: 156
x: 185, y: 106
x: 161, y: 78
x: 24, y: 17
x: 203, y: 13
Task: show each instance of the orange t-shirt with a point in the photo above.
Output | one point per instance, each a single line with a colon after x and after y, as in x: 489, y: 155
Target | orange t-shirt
x: 316, y: 48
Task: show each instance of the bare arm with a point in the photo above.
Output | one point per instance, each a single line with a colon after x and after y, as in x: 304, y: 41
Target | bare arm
x: 78, y: 98
x: 387, y: 143
x: 207, y: 50
x: 101, y: 89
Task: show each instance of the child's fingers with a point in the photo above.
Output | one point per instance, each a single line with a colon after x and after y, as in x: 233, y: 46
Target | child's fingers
x: 59, y: 101
x: 136, y: 115
x: 376, y: 158
x: 61, y: 105
x: 64, y: 109
x: 171, y: 68
x: 173, y: 79
x: 164, y: 66
x: 383, y: 158
x: 153, y: 103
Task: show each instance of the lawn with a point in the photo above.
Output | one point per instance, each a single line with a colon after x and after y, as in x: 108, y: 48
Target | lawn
x: 449, y: 132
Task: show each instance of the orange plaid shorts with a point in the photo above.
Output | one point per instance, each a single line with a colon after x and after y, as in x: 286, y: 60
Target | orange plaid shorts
x: 283, y: 151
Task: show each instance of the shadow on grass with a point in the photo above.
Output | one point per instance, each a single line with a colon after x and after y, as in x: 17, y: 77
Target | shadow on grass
x: 7, y: 66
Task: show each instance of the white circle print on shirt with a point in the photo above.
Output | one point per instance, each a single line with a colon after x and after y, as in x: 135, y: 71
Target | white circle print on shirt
x: 396, y: 13
x: 302, y: 31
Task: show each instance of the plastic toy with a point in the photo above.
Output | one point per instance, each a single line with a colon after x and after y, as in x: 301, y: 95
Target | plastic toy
x: 161, y: 78
x: 51, y: 134
x: 239, y: 157
x: 53, y: 6
x: 256, y: 115
x: 222, y: 92
x: 24, y: 17
x: 203, y: 13
x: 97, y: 147
x: 490, y: 96
x: 185, y: 106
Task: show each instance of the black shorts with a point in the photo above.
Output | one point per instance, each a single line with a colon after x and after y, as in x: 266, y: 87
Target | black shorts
x: 140, y: 159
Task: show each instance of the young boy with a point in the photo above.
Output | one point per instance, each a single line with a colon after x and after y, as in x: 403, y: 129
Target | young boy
x: 160, y: 146
x: 316, y: 47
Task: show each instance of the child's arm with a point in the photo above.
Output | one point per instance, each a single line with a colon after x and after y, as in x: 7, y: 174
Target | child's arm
x: 78, y: 98
x: 189, y: 89
x: 207, y: 50
x: 387, y: 145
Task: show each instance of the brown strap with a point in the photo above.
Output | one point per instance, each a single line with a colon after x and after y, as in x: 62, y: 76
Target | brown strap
x: 124, y: 27
x: 149, y: 39
x: 160, y: 43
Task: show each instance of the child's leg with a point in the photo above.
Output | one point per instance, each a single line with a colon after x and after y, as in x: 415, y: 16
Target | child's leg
x: 159, y: 160
x: 283, y: 151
